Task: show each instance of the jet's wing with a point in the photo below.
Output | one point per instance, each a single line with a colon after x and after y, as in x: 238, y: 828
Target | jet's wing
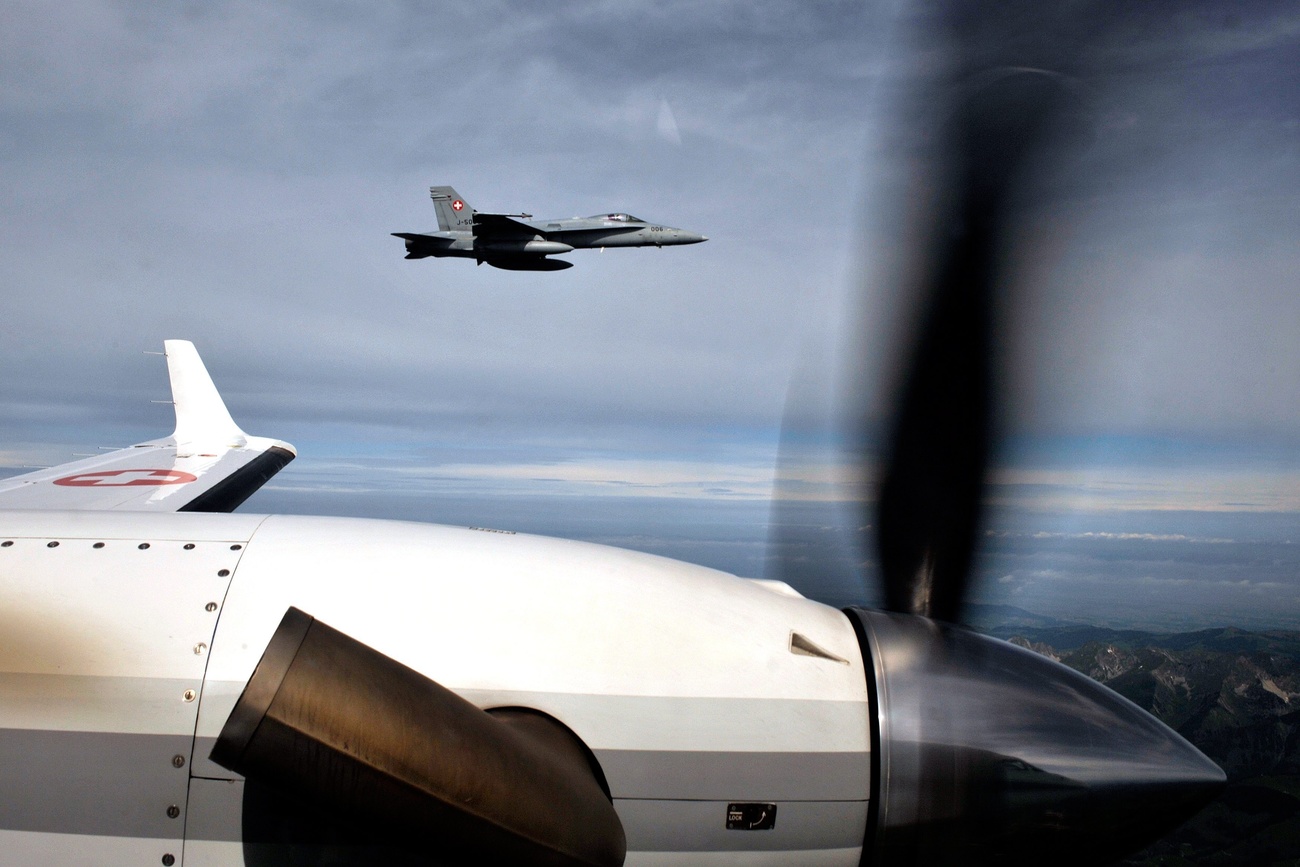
x: 501, y: 226
x: 207, y: 465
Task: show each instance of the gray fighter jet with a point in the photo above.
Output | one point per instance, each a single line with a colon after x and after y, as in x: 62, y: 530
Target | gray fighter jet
x: 517, y: 242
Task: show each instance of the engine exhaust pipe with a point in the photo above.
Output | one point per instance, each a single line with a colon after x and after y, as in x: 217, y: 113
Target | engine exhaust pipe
x: 330, y: 719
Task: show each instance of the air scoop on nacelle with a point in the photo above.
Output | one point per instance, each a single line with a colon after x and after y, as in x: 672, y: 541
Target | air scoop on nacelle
x: 988, y: 753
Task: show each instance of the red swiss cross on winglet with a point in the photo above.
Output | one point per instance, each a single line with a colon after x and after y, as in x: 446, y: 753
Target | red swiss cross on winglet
x: 457, y: 205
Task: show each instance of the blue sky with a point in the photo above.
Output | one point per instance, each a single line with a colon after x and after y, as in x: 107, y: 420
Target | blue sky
x: 230, y: 172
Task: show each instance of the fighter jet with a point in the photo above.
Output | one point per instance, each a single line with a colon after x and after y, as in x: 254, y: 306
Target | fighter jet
x: 517, y: 242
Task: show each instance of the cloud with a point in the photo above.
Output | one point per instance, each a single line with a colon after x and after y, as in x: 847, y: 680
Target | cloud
x: 666, y: 124
x: 627, y: 477
x: 1201, y: 484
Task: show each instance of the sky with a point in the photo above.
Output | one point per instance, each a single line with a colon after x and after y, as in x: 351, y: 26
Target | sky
x: 230, y: 172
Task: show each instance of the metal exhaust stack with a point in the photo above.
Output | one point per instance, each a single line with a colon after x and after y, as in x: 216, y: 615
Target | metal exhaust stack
x: 332, y: 720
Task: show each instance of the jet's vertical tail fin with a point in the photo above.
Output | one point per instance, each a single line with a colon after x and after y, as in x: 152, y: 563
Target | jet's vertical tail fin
x: 454, y: 215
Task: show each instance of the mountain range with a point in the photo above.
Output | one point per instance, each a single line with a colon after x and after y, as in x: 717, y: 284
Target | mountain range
x: 1235, y: 694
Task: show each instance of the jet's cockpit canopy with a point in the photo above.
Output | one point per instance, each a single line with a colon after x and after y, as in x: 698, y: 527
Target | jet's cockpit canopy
x: 618, y: 218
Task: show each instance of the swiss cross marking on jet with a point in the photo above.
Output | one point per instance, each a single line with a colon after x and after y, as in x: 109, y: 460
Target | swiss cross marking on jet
x: 457, y: 205
x: 126, y: 478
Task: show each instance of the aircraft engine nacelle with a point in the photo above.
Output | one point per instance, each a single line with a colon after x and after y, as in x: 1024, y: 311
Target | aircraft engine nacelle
x: 988, y: 753
x: 531, y: 700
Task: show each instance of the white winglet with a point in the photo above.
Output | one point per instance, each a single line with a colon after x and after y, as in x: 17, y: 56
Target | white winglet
x: 201, y: 414
x: 207, y: 465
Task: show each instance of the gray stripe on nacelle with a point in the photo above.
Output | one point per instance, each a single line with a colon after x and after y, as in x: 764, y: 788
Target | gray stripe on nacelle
x: 651, y: 825
x: 216, y: 810
x: 116, y: 785
x: 22, y: 848
x: 701, y: 826
x: 739, y: 776
x: 122, y: 784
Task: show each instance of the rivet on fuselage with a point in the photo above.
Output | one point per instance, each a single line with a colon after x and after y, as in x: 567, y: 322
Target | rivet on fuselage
x: 190, y: 695
x: 98, y: 545
x: 210, y: 607
x: 143, y: 545
x: 173, y: 811
x: 52, y: 545
x: 188, y: 546
x: 199, y: 648
x: 235, y: 547
x: 222, y: 573
x: 178, y: 761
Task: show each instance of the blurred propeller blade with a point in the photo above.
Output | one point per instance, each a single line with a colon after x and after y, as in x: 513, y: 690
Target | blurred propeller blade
x: 928, y: 507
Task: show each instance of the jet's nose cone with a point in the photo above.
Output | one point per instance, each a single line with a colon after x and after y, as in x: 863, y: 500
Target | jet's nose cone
x: 993, y: 754
x: 684, y: 237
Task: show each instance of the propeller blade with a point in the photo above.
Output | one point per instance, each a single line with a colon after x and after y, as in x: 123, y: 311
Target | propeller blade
x: 927, y: 512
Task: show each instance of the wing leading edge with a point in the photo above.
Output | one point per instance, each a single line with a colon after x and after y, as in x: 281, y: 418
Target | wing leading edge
x: 207, y: 465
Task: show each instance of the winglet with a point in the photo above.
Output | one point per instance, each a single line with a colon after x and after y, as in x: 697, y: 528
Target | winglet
x: 201, y: 414
x: 207, y: 465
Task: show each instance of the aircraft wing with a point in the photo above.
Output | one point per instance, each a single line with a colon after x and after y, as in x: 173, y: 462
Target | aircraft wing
x: 501, y: 226
x: 207, y: 465
x: 424, y: 236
